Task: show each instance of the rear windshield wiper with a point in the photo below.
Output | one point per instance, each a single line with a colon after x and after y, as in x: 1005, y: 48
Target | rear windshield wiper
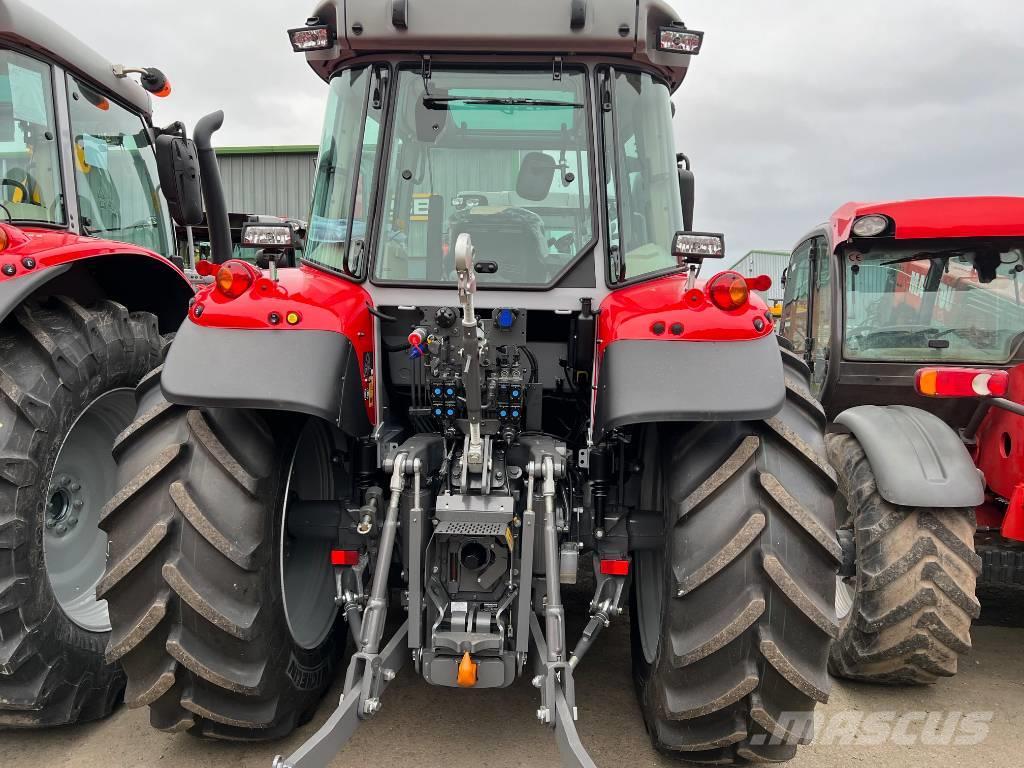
x: 922, y: 256
x: 440, y: 102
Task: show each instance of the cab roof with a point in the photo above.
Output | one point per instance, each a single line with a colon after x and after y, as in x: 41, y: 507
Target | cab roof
x: 936, y: 218
x: 626, y: 29
x: 24, y: 27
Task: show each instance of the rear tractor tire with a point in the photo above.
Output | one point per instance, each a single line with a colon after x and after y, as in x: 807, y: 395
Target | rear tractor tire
x: 67, y: 374
x: 905, y: 618
x: 732, y: 621
x: 224, y: 623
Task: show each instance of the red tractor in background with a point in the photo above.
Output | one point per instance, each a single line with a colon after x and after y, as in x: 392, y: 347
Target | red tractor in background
x: 88, y: 297
x: 871, y: 297
x: 458, y: 393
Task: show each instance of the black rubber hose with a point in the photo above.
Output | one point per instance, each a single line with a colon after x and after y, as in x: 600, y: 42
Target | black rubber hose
x: 213, y: 190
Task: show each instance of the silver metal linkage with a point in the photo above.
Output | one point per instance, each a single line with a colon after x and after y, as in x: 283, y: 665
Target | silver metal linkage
x: 369, y: 671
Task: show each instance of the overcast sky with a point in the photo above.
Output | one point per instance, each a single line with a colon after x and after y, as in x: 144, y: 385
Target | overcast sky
x: 793, y: 107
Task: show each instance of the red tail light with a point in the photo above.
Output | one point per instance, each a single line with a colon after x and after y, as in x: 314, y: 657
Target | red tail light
x: 615, y: 567
x: 235, y: 277
x: 961, y: 382
x: 728, y: 291
x: 344, y: 557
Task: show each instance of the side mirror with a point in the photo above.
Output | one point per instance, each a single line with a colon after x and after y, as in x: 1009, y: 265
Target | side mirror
x: 785, y: 274
x: 177, y: 164
x: 686, y: 190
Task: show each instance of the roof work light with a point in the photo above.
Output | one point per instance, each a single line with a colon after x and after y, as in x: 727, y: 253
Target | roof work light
x: 312, y: 37
x: 679, y: 39
x: 871, y: 225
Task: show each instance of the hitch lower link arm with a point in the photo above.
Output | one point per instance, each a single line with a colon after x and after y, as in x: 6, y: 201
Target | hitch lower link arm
x: 370, y: 670
x: 555, y: 678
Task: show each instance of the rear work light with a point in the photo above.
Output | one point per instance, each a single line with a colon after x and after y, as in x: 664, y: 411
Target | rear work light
x: 694, y: 247
x: 234, y: 278
x: 267, y: 236
x: 312, y: 37
x: 728, y: 291
x: 961, y: 382
x: 678, y: 39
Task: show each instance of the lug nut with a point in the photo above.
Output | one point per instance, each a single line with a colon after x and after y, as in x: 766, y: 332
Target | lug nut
x: 78, y: 504
x: 62, y: 529
x: 76, y: 487
x: 72, y: 522
x: 50, y: 523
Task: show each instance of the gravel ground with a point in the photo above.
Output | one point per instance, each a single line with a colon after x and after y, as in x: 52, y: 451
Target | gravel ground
x: 982, y: 709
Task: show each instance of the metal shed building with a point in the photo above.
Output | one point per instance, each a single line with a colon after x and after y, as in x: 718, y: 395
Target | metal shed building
x: 770, y: 263
x: 277, y: 181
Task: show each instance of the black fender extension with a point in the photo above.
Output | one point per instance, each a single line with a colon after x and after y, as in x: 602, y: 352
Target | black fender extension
x: 312, y: 372
x: 645, y: 381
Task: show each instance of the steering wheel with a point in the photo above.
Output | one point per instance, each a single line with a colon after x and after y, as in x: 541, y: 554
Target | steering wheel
x: 24, y: 190
x: 563, y: 244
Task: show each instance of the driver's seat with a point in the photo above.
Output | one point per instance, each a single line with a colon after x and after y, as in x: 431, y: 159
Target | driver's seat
x: 511, y: 237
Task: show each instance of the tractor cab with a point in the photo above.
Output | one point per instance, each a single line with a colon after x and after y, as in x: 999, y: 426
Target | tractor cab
x: 883, y: 290
x: 77, y: 145
x: 561, y: 168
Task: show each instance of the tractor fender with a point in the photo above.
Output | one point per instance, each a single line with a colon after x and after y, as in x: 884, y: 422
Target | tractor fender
x: 642, y: 381
x: 141, y: 282
x: 918, y: 460
x: 14, y: 292
x: 315, y: 372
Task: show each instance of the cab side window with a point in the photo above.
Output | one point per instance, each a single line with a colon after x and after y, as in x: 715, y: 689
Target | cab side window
x: 796, y: 300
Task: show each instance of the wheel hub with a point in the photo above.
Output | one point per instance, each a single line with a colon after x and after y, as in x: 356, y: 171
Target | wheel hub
x: 83, y: 480
x: 65, y: 501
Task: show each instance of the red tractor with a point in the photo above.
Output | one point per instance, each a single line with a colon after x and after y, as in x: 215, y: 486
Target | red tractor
x: 88, y: 296
x: 494, y: 365
x: 871, y: 297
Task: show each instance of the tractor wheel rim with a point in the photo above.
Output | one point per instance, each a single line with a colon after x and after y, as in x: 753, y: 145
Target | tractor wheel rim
x: 84, y: 478
x: 650, y: 597
x: 845, y: 593
x: 307, y: 576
